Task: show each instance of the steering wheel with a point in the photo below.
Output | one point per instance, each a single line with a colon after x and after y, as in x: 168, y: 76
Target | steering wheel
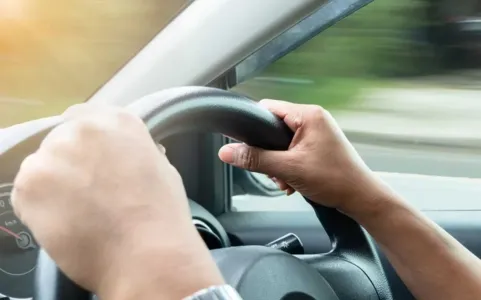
x: 351, y: 270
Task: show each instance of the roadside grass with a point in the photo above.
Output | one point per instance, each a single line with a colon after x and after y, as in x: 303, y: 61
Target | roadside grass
x: 373, y: 48
x: 329, y: 92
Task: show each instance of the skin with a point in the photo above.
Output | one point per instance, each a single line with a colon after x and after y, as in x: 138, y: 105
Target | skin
x: 65, y: 180
x: 111, y: 210
x: 322, y: 165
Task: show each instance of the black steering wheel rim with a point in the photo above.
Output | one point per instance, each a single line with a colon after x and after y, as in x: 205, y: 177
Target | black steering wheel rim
x: 184, y: 109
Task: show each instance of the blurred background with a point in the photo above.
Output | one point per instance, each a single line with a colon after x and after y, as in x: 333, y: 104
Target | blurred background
x: 403, y: 78
x: 54, y: 53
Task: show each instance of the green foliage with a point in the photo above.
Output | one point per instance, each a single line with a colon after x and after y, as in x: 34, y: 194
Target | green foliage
x: 382, y: 39
x: 328, y: 92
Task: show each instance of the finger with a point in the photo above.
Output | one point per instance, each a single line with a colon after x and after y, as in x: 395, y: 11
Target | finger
x: 79, y: 110
x: 94, y: 111
x: 280, y: 183
x: 28, y: 186
x: 20, y: 182
x: 292, y: 114
x: 67, y: 141
x: 290, y: 191
x: 61, y: 134
x: 161, y: 149
x: 286, y: 188
x: 283, y: 186
x: 276, y: 182
x: 256, y: 159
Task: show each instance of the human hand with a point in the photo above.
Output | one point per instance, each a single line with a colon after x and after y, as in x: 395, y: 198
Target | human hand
x: 111, y: 210
x: 320, y: 163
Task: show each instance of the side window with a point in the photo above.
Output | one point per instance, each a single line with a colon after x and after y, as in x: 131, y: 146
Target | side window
x: 401, y: 78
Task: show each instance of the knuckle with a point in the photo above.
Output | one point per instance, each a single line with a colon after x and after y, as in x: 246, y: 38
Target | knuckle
x: 249, y: 159
x: 175, y: 173
x: 127, y: 118
x: 32, y: 174
x: 161, y: 149
x: 86, y: 128
x: 318, y: 112
x: 292, y: 162
x: 59, y: 138
x: 20, y: 208
x: 27, y: 168
x: 17, y: 208
x: 74, y: 110
x: 297, y: 117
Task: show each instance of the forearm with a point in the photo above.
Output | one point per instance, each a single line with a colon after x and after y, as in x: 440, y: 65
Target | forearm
x: 431, y: 263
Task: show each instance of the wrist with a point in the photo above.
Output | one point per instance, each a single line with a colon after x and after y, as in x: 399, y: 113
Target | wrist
x: 375, y: 199
x: 219, y: 292
x: 162, y: 271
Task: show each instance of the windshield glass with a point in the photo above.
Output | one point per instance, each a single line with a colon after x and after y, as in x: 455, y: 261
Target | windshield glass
x: 54, y: 53
x: 401, y: 78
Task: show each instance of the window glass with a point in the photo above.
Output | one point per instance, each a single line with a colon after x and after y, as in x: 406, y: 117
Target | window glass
x: 54, y: 53
x: 403, y: 80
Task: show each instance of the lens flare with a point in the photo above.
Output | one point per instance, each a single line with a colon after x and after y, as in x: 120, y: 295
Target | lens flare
x: 12, y: 9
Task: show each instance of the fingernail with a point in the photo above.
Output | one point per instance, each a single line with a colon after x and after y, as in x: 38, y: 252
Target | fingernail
x: 227, y: 154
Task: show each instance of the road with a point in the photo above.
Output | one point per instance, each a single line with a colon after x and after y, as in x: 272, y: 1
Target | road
x: 426, y: 161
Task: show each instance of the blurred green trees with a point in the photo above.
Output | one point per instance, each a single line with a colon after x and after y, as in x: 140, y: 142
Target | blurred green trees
x: 383, y: 41
x: 385, y: 38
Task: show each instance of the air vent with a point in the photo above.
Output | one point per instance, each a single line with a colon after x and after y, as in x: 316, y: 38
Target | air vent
x: 211, y: 239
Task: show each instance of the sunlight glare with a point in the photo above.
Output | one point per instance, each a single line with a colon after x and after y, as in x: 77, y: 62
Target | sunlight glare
x: 12, y: 9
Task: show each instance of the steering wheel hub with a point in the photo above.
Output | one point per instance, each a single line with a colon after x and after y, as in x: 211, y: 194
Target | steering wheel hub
x: 258, y: 272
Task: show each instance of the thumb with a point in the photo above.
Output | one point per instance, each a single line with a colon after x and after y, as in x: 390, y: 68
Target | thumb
x: 254, y: 159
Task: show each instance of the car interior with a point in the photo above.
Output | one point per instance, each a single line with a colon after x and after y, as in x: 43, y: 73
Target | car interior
x: 265, y: 247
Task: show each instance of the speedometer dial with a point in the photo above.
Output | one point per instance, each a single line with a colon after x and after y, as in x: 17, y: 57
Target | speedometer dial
x: 18, y: 250
x: 16, y: 245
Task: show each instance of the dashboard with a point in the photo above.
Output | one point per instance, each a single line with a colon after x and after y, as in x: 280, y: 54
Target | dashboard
x: 19, y: 250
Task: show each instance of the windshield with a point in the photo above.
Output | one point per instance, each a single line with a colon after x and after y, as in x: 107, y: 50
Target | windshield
x: 54, y: 53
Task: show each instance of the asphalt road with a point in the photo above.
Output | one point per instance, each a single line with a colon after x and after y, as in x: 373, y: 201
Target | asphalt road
x: 425, y: 161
